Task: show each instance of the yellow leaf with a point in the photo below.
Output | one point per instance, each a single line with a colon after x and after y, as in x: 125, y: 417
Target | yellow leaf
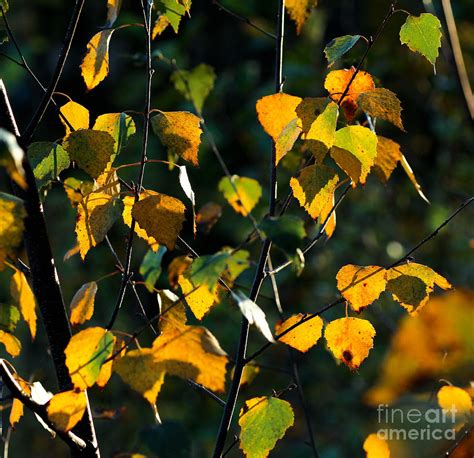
x: 176, y: 268
x: 11, y: 157
x: 276, y: 111
x: 248, y: 375
x: 108, y: 183
x: 336, y: 83
x: 411, y: 175
x: 12, y: 214
x: 308, y: 110
x: 242, y: 193
x: 331, y: 224
x: 355, y: 150
x: 66, y: 409
x: 180, y: 132
x: 388, y: 156
x: 375, y: 447
x: 299, y: 11
x: 85, y: 353
x: 11, y: 343
x: 22, y: 294
x: 382, y: 103
x: 160, y: 25
x: 113, y: 9
x: 323, y: 129
x: 139, y: 369
x: 190, y: 351
x: 82, y: 304
x: 161, y: 217
x: 314, y: 188
x: 361, y: 286
x: 286, y: 139
x: 76, y: 189
x: 200, y: 299
x: 350, y: 340
x: 76, y: 114
x: 411, y: 285
x: 128, y: 202
x: 95, y: 66
x: 119, y: 126
x: 96, y: 214
x: 454, y: 399
x: 17, y: 406
x: 303, y: 337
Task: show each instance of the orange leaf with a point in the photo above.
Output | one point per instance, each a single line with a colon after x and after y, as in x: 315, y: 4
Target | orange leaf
x: 299, y: 11
x: 21, y: 292
x: 82, y: 304
x: 375, y: 447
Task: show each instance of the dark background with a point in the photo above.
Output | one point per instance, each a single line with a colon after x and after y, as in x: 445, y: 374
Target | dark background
x: 376, y: 223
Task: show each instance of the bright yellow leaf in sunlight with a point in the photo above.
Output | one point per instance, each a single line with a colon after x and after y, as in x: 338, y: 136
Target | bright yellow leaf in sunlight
x: 304, y: 336
x: 200, y: 299
x: 11, y: 343
x: 66, y: 409
x: 375, y: 447
x: 299, y: 11
x: 12, y: 213
x: 452, y: 397
x: 82, y: 304
x: 76, y: 115
x: 361, y: 286
x: 22, y: 294
x: 242, y: 193
x: 350, y: 340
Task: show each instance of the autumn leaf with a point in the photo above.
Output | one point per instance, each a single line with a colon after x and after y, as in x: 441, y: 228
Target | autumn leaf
x: 173, y: 10
x: 336, y: 83
x: 24, y: 297
x: 120, y: 126
x: 176, y: 268
x: 10, y: 342
x: 161, y: 217
x: 388, y: 156
x: 454, y: 399
x: 199, y: 298
x: 11, y: 225
x: 314, y: 188
x: 337, y: 47
x: 206, y: 270
x: 422, y: 34
x: 95, y: 66
x: 303, y: 337
x: 276, y: 111
x: 96, y: 214
x: 48, y: 160
x: 150, y: 268
x: 92, y: 150
x: 11, y: 157
x: 350, y: 340
x: 113, y: 10
x: 287, y: 138
x: 161, y: 23
x: 263, y: 421
x: 77, y: 116
x: 411, y: 176
x: 355, y: 150
x: 17, y: 409
x: 207, y: 217
x: 382, y: 103
x: 308, y: 110
x: 361, y: 286
x: 9, y: 317
x: 82, y: 304
x: 85, y: 353
x: 77, y: 189
x: 180, y: 132
x: 299, y: 11
x: 196, y: 84
x: 411, y: 285
x: 375, y: 447
x: 66, y: 409
x: 241, y: 193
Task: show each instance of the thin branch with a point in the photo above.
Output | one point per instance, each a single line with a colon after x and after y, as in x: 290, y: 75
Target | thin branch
x: 203, y: 389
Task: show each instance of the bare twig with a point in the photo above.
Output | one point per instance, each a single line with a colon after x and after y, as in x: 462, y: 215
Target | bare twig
x: 203, y: 389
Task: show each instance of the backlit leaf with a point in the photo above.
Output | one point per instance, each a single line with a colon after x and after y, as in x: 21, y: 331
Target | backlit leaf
x: 66, y: 409
x: 336, y: 83
x: 286, y: 231
x: 286, y: 139
x: 24, y: 297
x: 9, y: 317
x: 337, y: 47
x: 76, y: 115
x: 308, y: 110
x: 361, y: 286
x: 11, y: 157
x: 12, y: 214
x: 161, y: 23
x: 350, y: 340
x: 375, y: 447
x: 207, y: 269
x: 422, y: 34
x: 95, y: 66
x: 355, y: 150
x: 176, y: 268
x: 113, y: 10
x: 161, y: 217
x: 412, y: 283
x: 150, y: 268
x: 263, y: 421
x: 82, y: 304
x: 96, y: 214
x: 180, y: 132
x: 48, y: 160
x: 92, y: 150
x: 196, y: 84
x: 388, y: 156
x: 120, y: 126
x: 304, y: 336
x: 85, y: 353
x: 454, y: 399
x: 276, y: 111
x: 322, y: 133
x: 76, y: 189
x: 382, y: 103
x: 11, y: 343
x: 299, y: 11
x: 411, y: 175
x: 199, y: 298
x: 242, y: 193
x: 17, y: 406
x: 173, y: 10
x: 314, y: 188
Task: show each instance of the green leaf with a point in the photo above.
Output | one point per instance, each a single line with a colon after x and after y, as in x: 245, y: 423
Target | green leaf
x: 48, y: 160
x: 286, y: 232
x: 236, y: 263
x: 355, y: 150
x: 150, y: 268
x: 4, y: 5
x: 173, y: 10
x: 207, y: 269
x: 263, y: 421
x: 119, y: 125
x: 241, y: 193
x: 422, y: 34
x: 195, y: 85
x: 9, y: 316
x: 337, y: 47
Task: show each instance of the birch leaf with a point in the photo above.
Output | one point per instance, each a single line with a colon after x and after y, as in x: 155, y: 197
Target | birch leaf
x: 199, y: 298
x: 12, y: 214
x: 303, y: 337
x: 299, y: 11
x: 286, y: 139
x: 66, y: 409
x: 241, y: 193
x: 10, y: 342
x: 375, y: 447
x: 173, y: 10
x: 48, y: 160
x: 161, y: 23
x: 24, y: 297
x: 337, y: 47
x: 82, y: 304
x: 150, y: 268
x: 120, y: 126
x: 113, y: 10
x: 76, y: 114
x: 382, y: 103
x: 454, y: 399
x: 11, y: 157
